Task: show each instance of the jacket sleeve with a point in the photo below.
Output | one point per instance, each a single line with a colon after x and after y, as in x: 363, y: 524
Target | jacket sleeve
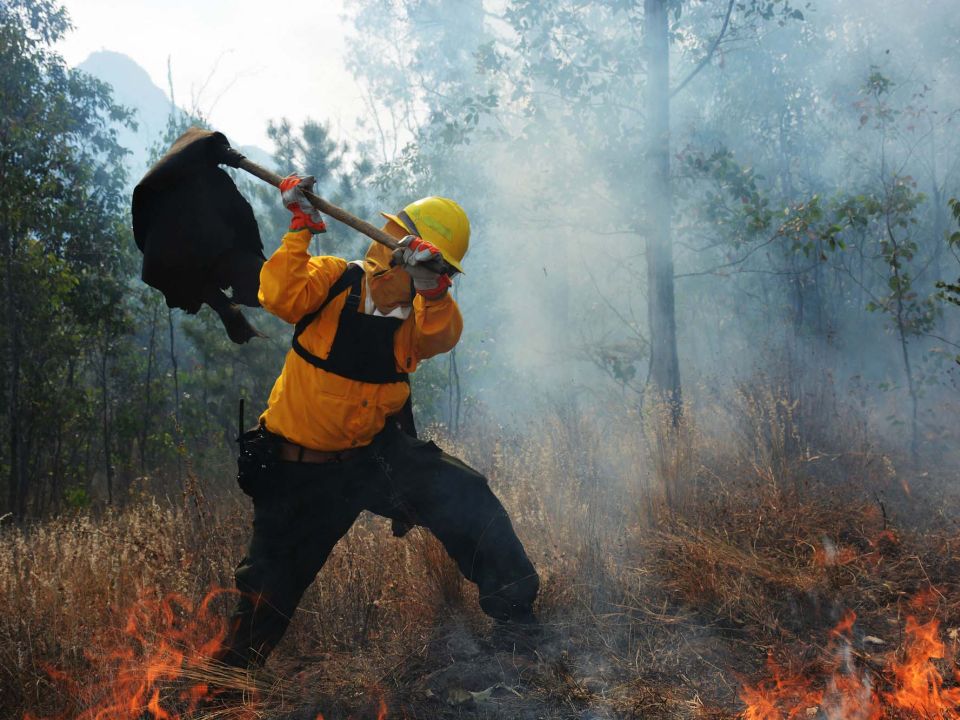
x: 437, y: 326
x: 292, y: 283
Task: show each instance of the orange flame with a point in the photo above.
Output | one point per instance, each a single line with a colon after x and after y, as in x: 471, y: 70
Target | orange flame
x: 919, y: 686
x: 151, y: 670
x: 847, y: 694
x: 912, y: 685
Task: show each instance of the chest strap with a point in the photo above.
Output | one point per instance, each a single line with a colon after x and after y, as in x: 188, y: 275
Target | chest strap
x: 361, y: 350
x: 347, y: 279
x: 351, y: 279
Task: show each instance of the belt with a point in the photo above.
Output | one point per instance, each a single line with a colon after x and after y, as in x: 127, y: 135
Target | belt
x: 297, y: 453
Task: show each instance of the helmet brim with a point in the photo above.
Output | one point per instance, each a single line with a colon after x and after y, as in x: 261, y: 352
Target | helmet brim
x: 450, y: 261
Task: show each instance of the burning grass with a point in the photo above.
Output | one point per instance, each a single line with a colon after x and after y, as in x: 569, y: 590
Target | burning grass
x: 697, y: 576
x: 856, y: 685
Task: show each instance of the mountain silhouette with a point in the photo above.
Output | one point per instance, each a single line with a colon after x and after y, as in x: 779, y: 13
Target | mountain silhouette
x: 133, y: 88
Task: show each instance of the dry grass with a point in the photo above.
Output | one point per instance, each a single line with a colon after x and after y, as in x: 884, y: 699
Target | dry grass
x: 672, y: 560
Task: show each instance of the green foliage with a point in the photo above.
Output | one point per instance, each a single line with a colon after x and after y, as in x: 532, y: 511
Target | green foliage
x: 892, y: 217
x: 76, y: 498
x: 779, y: 10
x: 877, y: 102
x: 950, y: 291
x: 622, y: 361
x: 66, y: 256
x: 880, y: 224
x: 797, y: 213
x: 342, y: 179
x: 954, y: 238
x: 734, y: 202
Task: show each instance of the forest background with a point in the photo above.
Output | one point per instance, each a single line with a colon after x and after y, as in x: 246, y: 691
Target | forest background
x: 811, y: 164
x: 679, y: 209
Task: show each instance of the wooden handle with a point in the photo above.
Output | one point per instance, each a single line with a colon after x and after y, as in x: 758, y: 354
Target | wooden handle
x: 361, y: 226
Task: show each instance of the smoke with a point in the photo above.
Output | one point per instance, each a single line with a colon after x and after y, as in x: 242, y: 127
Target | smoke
x: 552, y: 174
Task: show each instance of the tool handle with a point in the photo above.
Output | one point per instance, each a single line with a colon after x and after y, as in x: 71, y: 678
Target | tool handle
x: 327, y: 208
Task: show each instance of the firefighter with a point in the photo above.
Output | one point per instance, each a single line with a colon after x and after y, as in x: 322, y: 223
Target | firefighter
x: 337, y: 436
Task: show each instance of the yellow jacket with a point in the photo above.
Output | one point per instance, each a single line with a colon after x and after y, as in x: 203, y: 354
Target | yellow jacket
x: 315, y: 408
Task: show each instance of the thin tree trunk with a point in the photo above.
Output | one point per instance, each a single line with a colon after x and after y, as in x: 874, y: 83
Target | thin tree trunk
x: 664, y: 364
x: 905, y: 353
x: 17, y: 482
x: 105, y: 417
x: 938, y: 207
x: 911, y: 387
x: 88, y: 464
x: 147, y: 388
x: 176, y: 396
x: 453, y: 392
x: 939, y: 243
x: 57, y: 466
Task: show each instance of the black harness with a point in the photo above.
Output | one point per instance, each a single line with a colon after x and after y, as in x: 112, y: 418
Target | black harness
x: 363, y: 346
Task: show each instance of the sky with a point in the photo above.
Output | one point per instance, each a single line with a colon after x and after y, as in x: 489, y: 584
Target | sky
x: 241, y: 63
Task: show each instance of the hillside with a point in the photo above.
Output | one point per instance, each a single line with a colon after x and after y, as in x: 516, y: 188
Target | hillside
x: 133, y: 88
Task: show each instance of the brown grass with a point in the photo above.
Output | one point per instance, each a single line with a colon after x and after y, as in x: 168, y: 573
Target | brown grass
x: 672, y: 561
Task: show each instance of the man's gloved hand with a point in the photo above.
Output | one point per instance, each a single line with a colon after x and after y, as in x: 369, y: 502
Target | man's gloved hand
x: 305, y: 215
x: 414, y: 254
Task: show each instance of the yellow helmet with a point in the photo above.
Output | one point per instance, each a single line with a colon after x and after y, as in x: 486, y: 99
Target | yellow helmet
x: 439, y: 221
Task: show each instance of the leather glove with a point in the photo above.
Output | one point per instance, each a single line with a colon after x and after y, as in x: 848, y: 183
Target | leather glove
x: 305, y: 215
x: 414, y: 254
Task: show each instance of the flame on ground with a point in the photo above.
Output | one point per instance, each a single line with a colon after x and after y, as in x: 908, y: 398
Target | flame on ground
x: 907, y: 684
x: 158, y: 668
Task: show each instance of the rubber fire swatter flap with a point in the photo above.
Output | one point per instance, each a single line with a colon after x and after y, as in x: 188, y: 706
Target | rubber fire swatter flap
x: 196, y: 231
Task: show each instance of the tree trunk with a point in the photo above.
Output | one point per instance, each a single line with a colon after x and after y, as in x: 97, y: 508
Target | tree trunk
x: 176, y: 397
x: 902, y: 330
x: 454, y: 397
x: 16, y: 500
x: 147, y: 386
x: 56, y: 474
x: 938, y: 207
x: 105, y: 417
x: 664, y: 364
x: 907, y: 369
x: 912, y: 391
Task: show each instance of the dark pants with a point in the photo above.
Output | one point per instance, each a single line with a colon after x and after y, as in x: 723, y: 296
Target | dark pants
x: 304, y: 509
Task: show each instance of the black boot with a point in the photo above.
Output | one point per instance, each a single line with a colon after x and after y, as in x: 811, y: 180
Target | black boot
x: 522, y: 633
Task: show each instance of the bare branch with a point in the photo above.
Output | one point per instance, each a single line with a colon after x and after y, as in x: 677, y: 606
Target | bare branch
x: 706, y: 58
x: 739, y: 261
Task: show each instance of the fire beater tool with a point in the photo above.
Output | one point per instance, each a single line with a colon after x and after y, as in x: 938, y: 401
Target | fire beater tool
x: 198, y: 234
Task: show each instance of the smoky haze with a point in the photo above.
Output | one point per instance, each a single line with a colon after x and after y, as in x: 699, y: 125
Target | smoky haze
x: 535, y: 118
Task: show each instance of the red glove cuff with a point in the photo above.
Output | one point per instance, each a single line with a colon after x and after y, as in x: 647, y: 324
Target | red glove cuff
x: 443, y: 284
x: 301, y: 221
